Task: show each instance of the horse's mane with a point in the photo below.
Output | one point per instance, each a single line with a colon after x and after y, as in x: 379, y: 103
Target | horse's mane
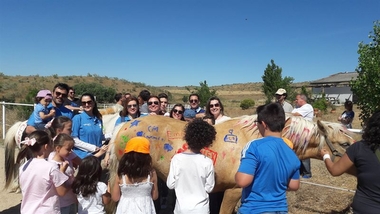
x: 297, y: 129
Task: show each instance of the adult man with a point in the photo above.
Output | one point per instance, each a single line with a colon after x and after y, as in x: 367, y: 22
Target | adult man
x: 164, y: 101
x: 194, y: 105
x: 59, y: 94
x: 143, y: 99
x: 306, y: 111
x: 280, y: 98
x: 72, y: 102
x: 268, y: 166
x: 119, y: 102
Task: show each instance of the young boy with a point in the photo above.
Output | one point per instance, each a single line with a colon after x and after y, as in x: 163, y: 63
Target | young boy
x: 268, y: 166
x: 191, y: 173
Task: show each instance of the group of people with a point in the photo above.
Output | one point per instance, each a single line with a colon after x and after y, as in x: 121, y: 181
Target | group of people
x: 75, y: 140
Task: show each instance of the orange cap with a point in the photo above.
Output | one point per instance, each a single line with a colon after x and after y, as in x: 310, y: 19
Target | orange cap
x: 288, y: 142
x: 138, y: 144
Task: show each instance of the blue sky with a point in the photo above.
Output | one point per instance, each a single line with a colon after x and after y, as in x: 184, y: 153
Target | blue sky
x: 183, y: 42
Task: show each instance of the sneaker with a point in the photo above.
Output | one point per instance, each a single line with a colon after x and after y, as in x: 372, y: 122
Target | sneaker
x: 306, y: 176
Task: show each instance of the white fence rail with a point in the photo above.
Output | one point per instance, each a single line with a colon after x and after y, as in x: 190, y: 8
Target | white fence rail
x: 3, y: 121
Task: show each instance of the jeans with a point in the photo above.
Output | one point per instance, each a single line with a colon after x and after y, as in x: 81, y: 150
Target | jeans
x: 305, y: 167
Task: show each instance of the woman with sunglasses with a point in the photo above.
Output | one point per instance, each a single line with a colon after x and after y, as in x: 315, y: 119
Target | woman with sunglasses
x: 177, y: 112
x: 88, y: 128
x: 130, y: 111
x: 215, y: 108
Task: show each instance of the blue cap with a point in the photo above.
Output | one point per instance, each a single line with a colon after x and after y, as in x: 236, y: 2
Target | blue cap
x: 189, y: 113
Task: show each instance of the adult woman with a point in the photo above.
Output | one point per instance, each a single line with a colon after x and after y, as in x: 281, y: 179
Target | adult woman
x: 177, y: 112
x: 348, y: 115
x: 154, y: 106
x: 88, y: 127
x: 215, y: 108
x: 363, y: 159
x: 130, y: 110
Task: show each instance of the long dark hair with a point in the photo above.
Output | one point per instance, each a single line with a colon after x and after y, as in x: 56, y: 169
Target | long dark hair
x: 372, y: 131
x: 89, y: 173
x: 27, y: 151
x: 183, y: 110
x: 95, y: 109
x: 135, y: 165
x: 208, y: 111
x: 58, y: 123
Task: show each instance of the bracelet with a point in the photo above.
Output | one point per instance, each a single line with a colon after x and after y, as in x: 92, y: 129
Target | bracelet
x: 326, y: 156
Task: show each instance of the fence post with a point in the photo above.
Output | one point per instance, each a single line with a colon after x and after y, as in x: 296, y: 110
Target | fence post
x: 3, y: 115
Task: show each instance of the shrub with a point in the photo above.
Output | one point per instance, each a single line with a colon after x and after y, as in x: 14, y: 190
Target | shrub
x: 247, y: 103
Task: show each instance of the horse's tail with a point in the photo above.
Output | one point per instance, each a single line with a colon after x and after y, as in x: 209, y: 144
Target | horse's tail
x: 11, y: 170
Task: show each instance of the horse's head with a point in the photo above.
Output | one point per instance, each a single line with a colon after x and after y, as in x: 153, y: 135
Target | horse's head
x: 334, y: 137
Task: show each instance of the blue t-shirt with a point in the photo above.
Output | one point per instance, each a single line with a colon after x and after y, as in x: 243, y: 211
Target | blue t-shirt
x: 59, y: 111
x: 36, y: 114
x: 87, y: 129
x: 273, y: 164
x: 126, y: 119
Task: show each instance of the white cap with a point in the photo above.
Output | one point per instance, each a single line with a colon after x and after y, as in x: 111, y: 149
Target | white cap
x: 280, y: 91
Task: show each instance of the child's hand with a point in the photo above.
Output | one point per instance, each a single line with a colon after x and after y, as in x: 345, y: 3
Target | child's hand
x: 64, y: 166
x: 52, y: 112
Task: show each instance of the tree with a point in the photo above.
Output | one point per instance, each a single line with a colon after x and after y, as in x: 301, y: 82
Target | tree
x: 102, y: 94
x: 367, y: 85
x: 204, y: 92
x: 273, y: 80
x: 247, y: 103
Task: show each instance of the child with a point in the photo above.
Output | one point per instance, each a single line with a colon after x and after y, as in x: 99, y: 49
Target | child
x: 63, y: 145
x: 41, y: 181
x: 91, y: 193
x: 268, y: 166
x: 191, y: 173
x: 136, y: 183
x: 41, y: 114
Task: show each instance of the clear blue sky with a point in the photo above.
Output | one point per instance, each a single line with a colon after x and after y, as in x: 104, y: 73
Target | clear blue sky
x: 183, y: 42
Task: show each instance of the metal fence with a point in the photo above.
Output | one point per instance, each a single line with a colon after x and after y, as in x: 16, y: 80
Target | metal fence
x: 3, y: 120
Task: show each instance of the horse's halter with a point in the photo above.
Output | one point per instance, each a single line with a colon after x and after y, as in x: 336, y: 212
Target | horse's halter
x: 333, y: 150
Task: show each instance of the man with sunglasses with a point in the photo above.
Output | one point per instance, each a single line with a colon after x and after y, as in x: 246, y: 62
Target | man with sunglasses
x: 194, y: 105
x: 281, y: 95
x: 72, y: 103
x: 60, y: 92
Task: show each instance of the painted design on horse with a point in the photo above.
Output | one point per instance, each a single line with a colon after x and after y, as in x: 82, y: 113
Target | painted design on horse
x: 308, y: 138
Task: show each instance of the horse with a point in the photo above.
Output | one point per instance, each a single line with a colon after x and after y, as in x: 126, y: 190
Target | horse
x: 166, y: 137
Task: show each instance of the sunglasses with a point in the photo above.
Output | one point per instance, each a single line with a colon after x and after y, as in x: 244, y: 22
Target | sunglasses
x: 193, y: 101
x: 155, y: 103
x: 133, y: 105
x: 177, y: 111
x: 72, y: 92
x: 57, y: 93
x: 214, y: 105
x: 87, y: 102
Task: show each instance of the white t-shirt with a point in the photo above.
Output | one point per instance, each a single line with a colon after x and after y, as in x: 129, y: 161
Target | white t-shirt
x: 192, y: 177
x: 38, y: 180
x: 306, y: 111
x: 92, y: 204
x: 287, y: 107
x: 222, y: 119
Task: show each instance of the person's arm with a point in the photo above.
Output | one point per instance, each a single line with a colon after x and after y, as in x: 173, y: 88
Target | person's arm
x: 343, y: 165
x: 115, y: 191
x: 296, y: 114
x: 243, y: 180
x: 210, y: 179
x: 155, y: 185
x: 294, y: 185
x: 47, y: 116
x: 84, y: 146
x: 101, y: 151
x: 171, y: 179
x: 106, y: 197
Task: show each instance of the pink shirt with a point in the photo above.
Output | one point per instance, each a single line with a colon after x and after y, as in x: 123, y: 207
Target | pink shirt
x: 38, y: 180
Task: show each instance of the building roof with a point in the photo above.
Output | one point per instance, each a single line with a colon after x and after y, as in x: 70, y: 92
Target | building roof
x: 338, y: 78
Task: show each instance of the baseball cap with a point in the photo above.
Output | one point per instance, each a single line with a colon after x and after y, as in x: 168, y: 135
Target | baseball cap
x: 189, y: 113
x: 138, y: 144
x: 45, y: 94
x: 280, y: 91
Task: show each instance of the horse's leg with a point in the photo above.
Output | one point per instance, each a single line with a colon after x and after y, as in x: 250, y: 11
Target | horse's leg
x: 230, y: 199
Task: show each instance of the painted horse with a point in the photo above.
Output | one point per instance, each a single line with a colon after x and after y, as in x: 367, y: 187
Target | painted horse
x: 166, y: 137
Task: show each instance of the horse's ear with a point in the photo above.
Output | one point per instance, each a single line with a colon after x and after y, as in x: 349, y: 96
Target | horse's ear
x: 322, y: 128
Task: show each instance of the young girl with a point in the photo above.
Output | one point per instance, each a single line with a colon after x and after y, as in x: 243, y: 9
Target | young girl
x: 191, y: 174
x: 41, y: 114
x: 63, y: 145
x: 91, y: 193
x: 41, y: 181
x: 136, y: 183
